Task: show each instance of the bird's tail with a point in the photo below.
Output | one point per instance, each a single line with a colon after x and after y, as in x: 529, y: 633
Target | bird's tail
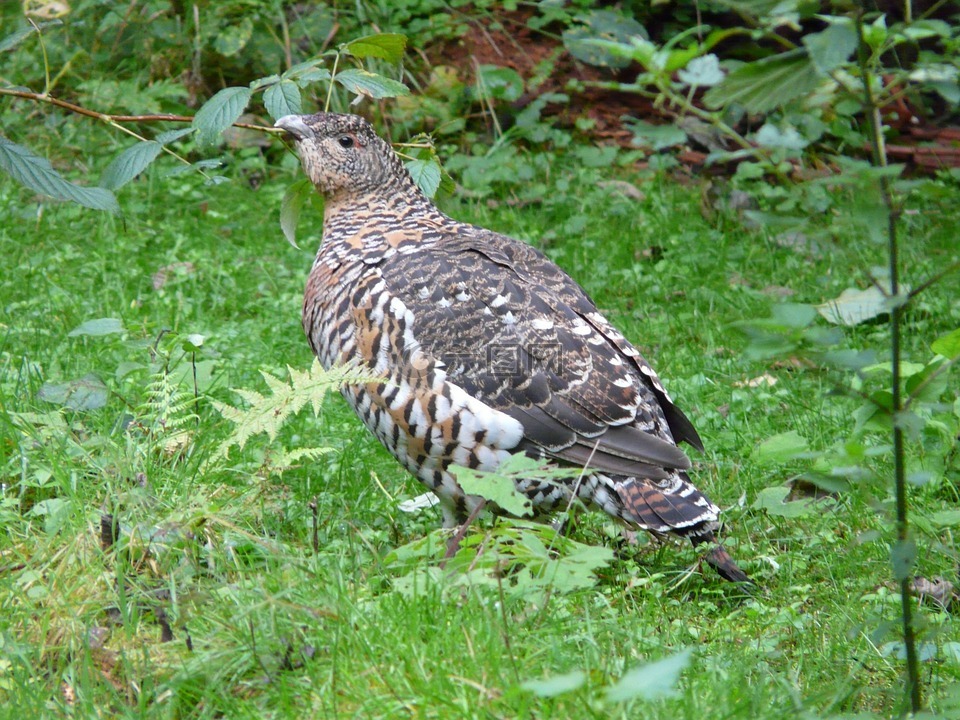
x: 719, y: 559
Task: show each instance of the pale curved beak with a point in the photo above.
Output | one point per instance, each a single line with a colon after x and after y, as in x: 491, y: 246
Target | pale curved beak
x: 294, y: 125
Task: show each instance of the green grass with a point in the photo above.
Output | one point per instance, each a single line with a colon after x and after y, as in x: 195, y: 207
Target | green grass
x: 222, y: 553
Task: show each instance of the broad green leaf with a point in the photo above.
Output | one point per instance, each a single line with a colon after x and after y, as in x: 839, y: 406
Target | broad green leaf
x: 657, y: 137
x: 208, y: 164
x: 606, y: 26
x: 283, y: 99
x: 651, y: 681
x: 290, y: 208
x: 773, y: 501
x: 307, y: 72
x: 500, y: 83
x: 426, y: 174
x: 780, y: 448
x: 261, y: 82
x: 220, y: 112
x: 766, y: 84
x: 86, y: 393
x: 495, y: 488
x: 370, y: 84
x: 97, y: 328
x: 16, y: 37
x: 36, y: 173
x: 55, y: 513
x: 947, y: 345
x: 702, y: 71
x: 903, y: 556
x: 130, y: 163
x: 832, y: 47
x: 945, y: 518
x: 233, y: 38
x: 165, y: 138
x: 556, y: 685
x: 388, y: 46
x: 854, y: 306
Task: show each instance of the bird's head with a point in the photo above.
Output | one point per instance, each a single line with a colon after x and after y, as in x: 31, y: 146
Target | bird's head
x: 343, y: 156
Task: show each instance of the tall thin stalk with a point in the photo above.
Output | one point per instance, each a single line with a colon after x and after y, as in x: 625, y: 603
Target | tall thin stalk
x: 893, y: 210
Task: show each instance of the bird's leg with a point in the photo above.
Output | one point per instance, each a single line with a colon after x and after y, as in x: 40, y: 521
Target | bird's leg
x: 454, y: 543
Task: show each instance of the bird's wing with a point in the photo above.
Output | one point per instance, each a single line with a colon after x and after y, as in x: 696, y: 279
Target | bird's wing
x: 514, y: 331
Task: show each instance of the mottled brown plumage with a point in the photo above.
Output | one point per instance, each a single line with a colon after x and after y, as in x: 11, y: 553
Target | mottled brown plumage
x: 485, y: 348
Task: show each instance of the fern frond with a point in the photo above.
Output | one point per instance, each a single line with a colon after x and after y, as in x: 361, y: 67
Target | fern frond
x: 267, y: 413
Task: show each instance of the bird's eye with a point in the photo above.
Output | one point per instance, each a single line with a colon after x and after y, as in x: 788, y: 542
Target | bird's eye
x: 345, y: 141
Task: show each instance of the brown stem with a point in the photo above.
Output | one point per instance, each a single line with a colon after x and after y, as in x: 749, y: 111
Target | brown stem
x: 40, y: 97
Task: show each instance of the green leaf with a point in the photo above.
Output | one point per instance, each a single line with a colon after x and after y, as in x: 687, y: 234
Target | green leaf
x: 832, y: 47
x: 388, y: 46
x: 130, y: 163
x: 657, y: 137
x: 702, y: 72
x: 86, y: 393
x: 556, y: 685
x: 787, y: 138
x: 368, y: 84
x: 903, y: 555
x: 426, y: 174
x: 773, y: 501
x: 854, y: 306
x: 496, y: 488
x: 165, y: 138
x: 36, y: 173
x: 233, y: 38
x: 947, y: 345
x: 16, y: 37
x: 766, y: 84
x: 97, y: 328
x: 780, y: 448
x: 651, y: 681
x: 220, y: 112
x: 283, y: 99
x: 945, y: 518
x: 607, y: 26
x: 290, y: 208
x: 500, y: 83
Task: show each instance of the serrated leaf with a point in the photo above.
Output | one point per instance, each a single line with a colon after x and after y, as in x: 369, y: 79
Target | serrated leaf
x: 86, y: 393
x: 947, y: 345
x: 702, y: 72
x: 766, y: 84
x: 290, y: 208
x: 36, y: 173
x: 368, y: 84
x: 854, y: 306
x: 98, y: 328
x: 832, y: 47
x: 651, y: 681
x: 426, y: 174
x: 556, y: 685
x: 15, y: 38
x: 780, y: 448
x: 130, y: 163
x: 945, y: 518
x: 283, y: 99
x: 220, y: 112
x: 165, y: 138
x: 388, y: 46
x: 495, y: 488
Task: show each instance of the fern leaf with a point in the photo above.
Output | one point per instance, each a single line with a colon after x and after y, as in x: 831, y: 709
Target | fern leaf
x: 267, y: 413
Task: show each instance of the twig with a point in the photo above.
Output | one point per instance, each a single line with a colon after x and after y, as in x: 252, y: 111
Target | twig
x: 105, y: 117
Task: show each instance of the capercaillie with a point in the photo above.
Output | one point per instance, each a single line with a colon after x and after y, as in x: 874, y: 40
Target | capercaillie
x: 483, y: 347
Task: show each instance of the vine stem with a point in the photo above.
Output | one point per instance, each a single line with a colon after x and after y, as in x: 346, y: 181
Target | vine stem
x: 914, y: 690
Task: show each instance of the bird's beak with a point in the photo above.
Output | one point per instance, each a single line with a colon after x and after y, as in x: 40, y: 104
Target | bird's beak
x: 294, y: 125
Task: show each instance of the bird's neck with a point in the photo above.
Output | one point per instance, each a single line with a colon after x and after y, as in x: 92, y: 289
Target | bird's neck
x: 404, y: 204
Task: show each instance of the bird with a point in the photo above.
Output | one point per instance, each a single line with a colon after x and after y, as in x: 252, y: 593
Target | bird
x: 481, y: 347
